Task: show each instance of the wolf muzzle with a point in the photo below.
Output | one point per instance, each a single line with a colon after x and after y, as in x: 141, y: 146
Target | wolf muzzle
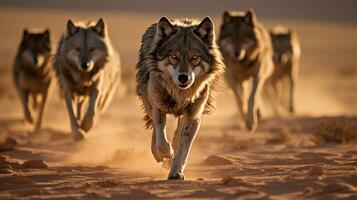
x: 185, y: 80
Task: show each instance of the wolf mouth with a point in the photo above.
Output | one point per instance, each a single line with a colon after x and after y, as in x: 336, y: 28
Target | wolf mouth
x: 183, y: 87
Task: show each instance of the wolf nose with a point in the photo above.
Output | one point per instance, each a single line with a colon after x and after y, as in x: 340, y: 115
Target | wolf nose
x: 183, y: 78
x: 85, y: 66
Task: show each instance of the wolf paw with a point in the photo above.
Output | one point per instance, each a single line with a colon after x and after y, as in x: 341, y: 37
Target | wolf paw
x: 78, y: 135
x: 251, y: 127
x: 166, y: 164
x: 165, y: 150
x: 176, y: 176
x: 291, y: 110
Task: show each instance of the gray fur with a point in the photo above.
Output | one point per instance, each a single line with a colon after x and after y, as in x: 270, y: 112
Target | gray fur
x: 286, y: 58
x: 180, y: 45
x: 88, y: 70
x: 247, y: 50
x: 32, y: 74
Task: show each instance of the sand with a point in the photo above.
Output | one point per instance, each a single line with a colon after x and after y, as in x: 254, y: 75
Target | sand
x: 283, y: 159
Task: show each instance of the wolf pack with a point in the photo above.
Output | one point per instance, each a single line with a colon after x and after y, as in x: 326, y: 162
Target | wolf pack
x: 179, y: 66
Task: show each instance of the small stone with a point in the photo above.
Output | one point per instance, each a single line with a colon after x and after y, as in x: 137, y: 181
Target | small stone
x: 35, y: 164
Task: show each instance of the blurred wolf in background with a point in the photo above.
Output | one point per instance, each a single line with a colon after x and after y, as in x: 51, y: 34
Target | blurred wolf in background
x: 32, y: 74
x: 247, y: 51
x: 178, y: 66
x: 88, y: 70
x: 286, y: 58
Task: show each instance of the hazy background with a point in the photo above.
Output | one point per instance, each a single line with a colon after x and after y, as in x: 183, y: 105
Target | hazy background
x: 327, y: 10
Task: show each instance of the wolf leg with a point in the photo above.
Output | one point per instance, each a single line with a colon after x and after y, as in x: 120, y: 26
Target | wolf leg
x: 239, y: 95
x: 91, y: 114
x: 78, y: 134
x: 237, y: 88
x: 175, y: 141
x: 25, y: 105
x: 177, y: 134
x: 274, y: 97
x: 79, y: 109
x: 42, y: 109
x: 292, y: 79
x: 154, y: 151
x: 105, y: 102
x: 191, y: 126
x: 163, y: 146
x: 34, y: 102
x: 253, y: 102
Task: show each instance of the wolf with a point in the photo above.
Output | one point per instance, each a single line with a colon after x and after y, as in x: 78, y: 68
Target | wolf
x: 247, y: 50
x: 287, y: 53
x: 88, y: 70
x: 32, y: 74
x: 178, y: 68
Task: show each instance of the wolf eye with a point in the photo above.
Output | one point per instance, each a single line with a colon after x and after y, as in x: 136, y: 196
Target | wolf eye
x: 173, y: 56
x: 195, y: 57
x: 92, y: 49
x: 78, y: 49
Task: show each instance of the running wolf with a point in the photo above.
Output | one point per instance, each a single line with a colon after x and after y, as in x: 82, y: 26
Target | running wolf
x: 88, y: 70
x: 32, y: 74
x: 286, y: 60
x: 247, y: 51
x: 179, y: 64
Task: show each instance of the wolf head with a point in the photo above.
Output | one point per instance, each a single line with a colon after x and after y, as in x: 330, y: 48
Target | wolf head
x: 238, y: 36
x: 282, y: 44
x: 35, y: 47
x: 184, y: 49
x: 85, y: 45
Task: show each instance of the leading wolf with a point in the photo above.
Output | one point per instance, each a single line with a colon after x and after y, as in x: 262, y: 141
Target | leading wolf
x: 178, y: 66
x: 88, y: 71
x: 32, y: 74
x: 247, y: 50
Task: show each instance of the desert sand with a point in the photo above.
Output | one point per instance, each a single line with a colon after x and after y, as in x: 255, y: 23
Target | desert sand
x: 312, y: 155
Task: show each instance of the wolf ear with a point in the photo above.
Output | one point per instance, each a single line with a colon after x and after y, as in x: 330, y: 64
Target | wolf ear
x: 226, y: 17
x: 99, y: 28
x: 205, y: 30
x: 250, y: 17
x: 46, y: 34
x: 164, y: 28
x: 71, y: 28
x: 25, y: 33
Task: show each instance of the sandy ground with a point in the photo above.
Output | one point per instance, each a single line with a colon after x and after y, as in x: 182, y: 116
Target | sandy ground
x: 283, y: 159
